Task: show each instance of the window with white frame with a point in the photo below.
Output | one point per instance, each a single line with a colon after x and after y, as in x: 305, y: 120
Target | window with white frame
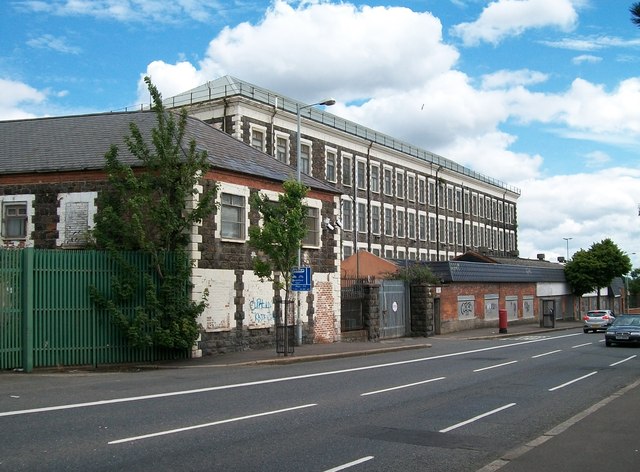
x: 347, y: 250
x: 362, y: 218
x: 312, y: 221
x: 305, y: 158
x: 400, y: 184
x: 422, y: 190
x: 375, y: 219
x: 282, y: 148
x: 233, y: 214
x: 401, y: 254
x: 458, y: 200
x: 474, y: 204
x: 432, y: 193
x: 411, y: 225
x: 459, y: 229
x: 375, y: 178
x: 450, y: 199
x: 442, y: 229
x: 465, y: 202
x: 432, y: 229
x: 347, y: 215
x: 346, y: 170
x: 388, y: 252
x: 500, y: 212
x: 258, y: 134
x: 361, y: 174
x: 388, y: 181
x: 375, y: 250
x: 14, y: 220
x: 331, y: 159
x: 411, y: 187
x: 400, y: 230
x: 451, y: 236
x: 388, y: 221
x: 441, y: 196
x: 422, y: 226
x: 474, y: 236
x: 467, y: 233
x: 76, y: 214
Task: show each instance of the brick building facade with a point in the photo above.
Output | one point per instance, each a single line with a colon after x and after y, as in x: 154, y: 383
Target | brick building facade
x: 52, y: 174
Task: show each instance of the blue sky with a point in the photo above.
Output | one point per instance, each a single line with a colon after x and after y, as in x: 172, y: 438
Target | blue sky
x: 541, y: 94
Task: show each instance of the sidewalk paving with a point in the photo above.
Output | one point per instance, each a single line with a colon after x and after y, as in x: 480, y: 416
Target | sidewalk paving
x: 313, y: 352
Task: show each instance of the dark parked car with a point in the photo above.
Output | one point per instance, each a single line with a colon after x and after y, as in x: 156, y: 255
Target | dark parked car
x: 625, y: 329
x: 596, y: 320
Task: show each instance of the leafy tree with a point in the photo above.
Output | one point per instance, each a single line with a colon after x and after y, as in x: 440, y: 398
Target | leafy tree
x: 416, y: 274
x: 279, y: 238
x: 635, y: 13
x: 152, y: 210
x: 634, y: 282
x: 596, y: 268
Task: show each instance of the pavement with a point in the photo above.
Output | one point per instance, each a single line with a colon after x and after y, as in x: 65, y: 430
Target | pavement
x: 604, y: 435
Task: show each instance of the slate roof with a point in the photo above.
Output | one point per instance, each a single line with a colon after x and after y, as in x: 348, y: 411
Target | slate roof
x: 80, y: 142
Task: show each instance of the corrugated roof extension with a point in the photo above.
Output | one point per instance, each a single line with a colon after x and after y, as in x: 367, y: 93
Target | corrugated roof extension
x: 460, y: 271
x: 228, y: 86
x: 80, y: 142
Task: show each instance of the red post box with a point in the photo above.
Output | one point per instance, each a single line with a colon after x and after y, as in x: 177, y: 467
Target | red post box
x: 502, y: 320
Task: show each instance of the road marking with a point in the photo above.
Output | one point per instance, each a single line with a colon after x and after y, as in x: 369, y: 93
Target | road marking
x: 350, y: 464
x: 581, y: 345
x: 546, y: 353
x: 494, y: 366
x: 623, y: 360
x: 402, y: 386
x: 207, y: 425
x: 573, y: 381
x: 270, y: 381
x: 476, y: 418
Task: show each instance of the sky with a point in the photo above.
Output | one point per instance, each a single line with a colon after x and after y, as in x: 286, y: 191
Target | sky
x: 543, y: 95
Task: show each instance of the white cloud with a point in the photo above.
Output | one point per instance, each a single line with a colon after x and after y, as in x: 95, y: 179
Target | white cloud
x: 58, y: 44
x: 133, y: 11
x: 15, y: 99
x: 588, y: 58
x: 504, y: 18
x: 508, y: 78
x: 585, y: 207
x: 597, y: 159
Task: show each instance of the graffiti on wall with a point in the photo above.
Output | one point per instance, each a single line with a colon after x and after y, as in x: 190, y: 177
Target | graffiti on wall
x: 260, y: 311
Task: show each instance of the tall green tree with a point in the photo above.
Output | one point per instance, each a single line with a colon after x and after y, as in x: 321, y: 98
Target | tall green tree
x: 279, y: 238
x: 634, y: 9
x: 152, y: 209
x: 596, y: 268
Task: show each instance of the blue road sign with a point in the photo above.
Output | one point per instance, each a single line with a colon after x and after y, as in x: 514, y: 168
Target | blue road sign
x: 301, y: 279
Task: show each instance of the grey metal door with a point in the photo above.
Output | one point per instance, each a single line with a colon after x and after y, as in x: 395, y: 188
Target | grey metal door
x: 394, y: 309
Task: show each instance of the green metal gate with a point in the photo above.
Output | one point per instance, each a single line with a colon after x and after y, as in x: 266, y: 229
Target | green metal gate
x: 47, y: 315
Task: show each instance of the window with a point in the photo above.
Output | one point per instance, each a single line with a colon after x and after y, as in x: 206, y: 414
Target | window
x: 474, y: 235
x: 401, y: 253
x: 14, y: 217
x: 330, y: 170
x: 361, y: 174
x: 474, y: 204
x: 257, y: 138
x: 282, y: 149
x: 305, y: 159
x: 375, y: 178
x: 432, y: 193
x: 375, y: 219
x: 459, y: 233
x: 388, y: 253
x: 422, y: 191
x: 232, y: 216
x: 450, y: 232
x: 313, y: 227
x: 401, y: 222
x: 388, y: 221
x: 362, y: 218
x: 411, y: 188
x: 346, y: 170
x: 422, y: 227
x: 399, y: 184
x: 442, y: 230
x: 347, y: 215
x: 466, y: 203
x: 441, y: 195
x: 76, y: 214
x: 458, y: 200
x: 347, y: 251
x: 449, y: 198
x: 432, y: 228
x: 411, y: 223
x: 388, y: 184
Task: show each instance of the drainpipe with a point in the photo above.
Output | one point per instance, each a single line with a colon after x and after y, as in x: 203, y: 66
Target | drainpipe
x: 368, y: 187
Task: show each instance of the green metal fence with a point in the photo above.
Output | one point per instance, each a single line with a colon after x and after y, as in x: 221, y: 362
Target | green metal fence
x: 47, y: 316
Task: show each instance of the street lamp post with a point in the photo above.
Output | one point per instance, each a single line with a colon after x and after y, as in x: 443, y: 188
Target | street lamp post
x: 299, y: 108
x: 567, y: 240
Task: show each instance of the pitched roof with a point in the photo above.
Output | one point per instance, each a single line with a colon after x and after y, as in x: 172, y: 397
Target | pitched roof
x: 461, y: 271
x: 80, y: 142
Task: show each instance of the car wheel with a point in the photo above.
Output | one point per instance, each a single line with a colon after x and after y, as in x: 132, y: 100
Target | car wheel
x: 608, y: 343
x: 586, y: 331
